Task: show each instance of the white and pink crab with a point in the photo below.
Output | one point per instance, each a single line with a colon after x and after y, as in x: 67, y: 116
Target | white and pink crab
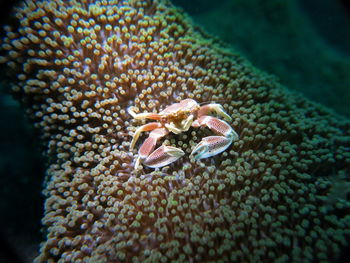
x: 178, y: 118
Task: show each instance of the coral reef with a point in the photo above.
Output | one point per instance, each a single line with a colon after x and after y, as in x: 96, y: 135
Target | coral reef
x: 280, y: 37
x: 78, y: 65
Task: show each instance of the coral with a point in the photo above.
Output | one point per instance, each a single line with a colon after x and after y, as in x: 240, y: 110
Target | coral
x: 78, y: 65
x: 279, y: 37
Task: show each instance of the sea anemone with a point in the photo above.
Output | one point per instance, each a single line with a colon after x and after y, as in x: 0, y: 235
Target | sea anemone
x: 77, y: 65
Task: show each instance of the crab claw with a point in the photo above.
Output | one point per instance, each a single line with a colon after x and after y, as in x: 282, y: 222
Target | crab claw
x: 162, y: 156
x: 210, y: 146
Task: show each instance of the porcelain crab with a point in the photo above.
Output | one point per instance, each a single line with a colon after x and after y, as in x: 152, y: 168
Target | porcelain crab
x: 178, y: 118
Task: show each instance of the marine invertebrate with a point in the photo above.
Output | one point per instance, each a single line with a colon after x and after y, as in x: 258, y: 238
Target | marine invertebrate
x: 178, y: 118
x: 297, y: 45
x: 77, y: 65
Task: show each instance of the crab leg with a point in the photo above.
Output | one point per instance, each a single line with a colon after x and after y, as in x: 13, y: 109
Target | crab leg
x: 144, y: 115
x: 206, y: 109
x: 212, y: 145
x: 160, y: 157
x: 147, y: 127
